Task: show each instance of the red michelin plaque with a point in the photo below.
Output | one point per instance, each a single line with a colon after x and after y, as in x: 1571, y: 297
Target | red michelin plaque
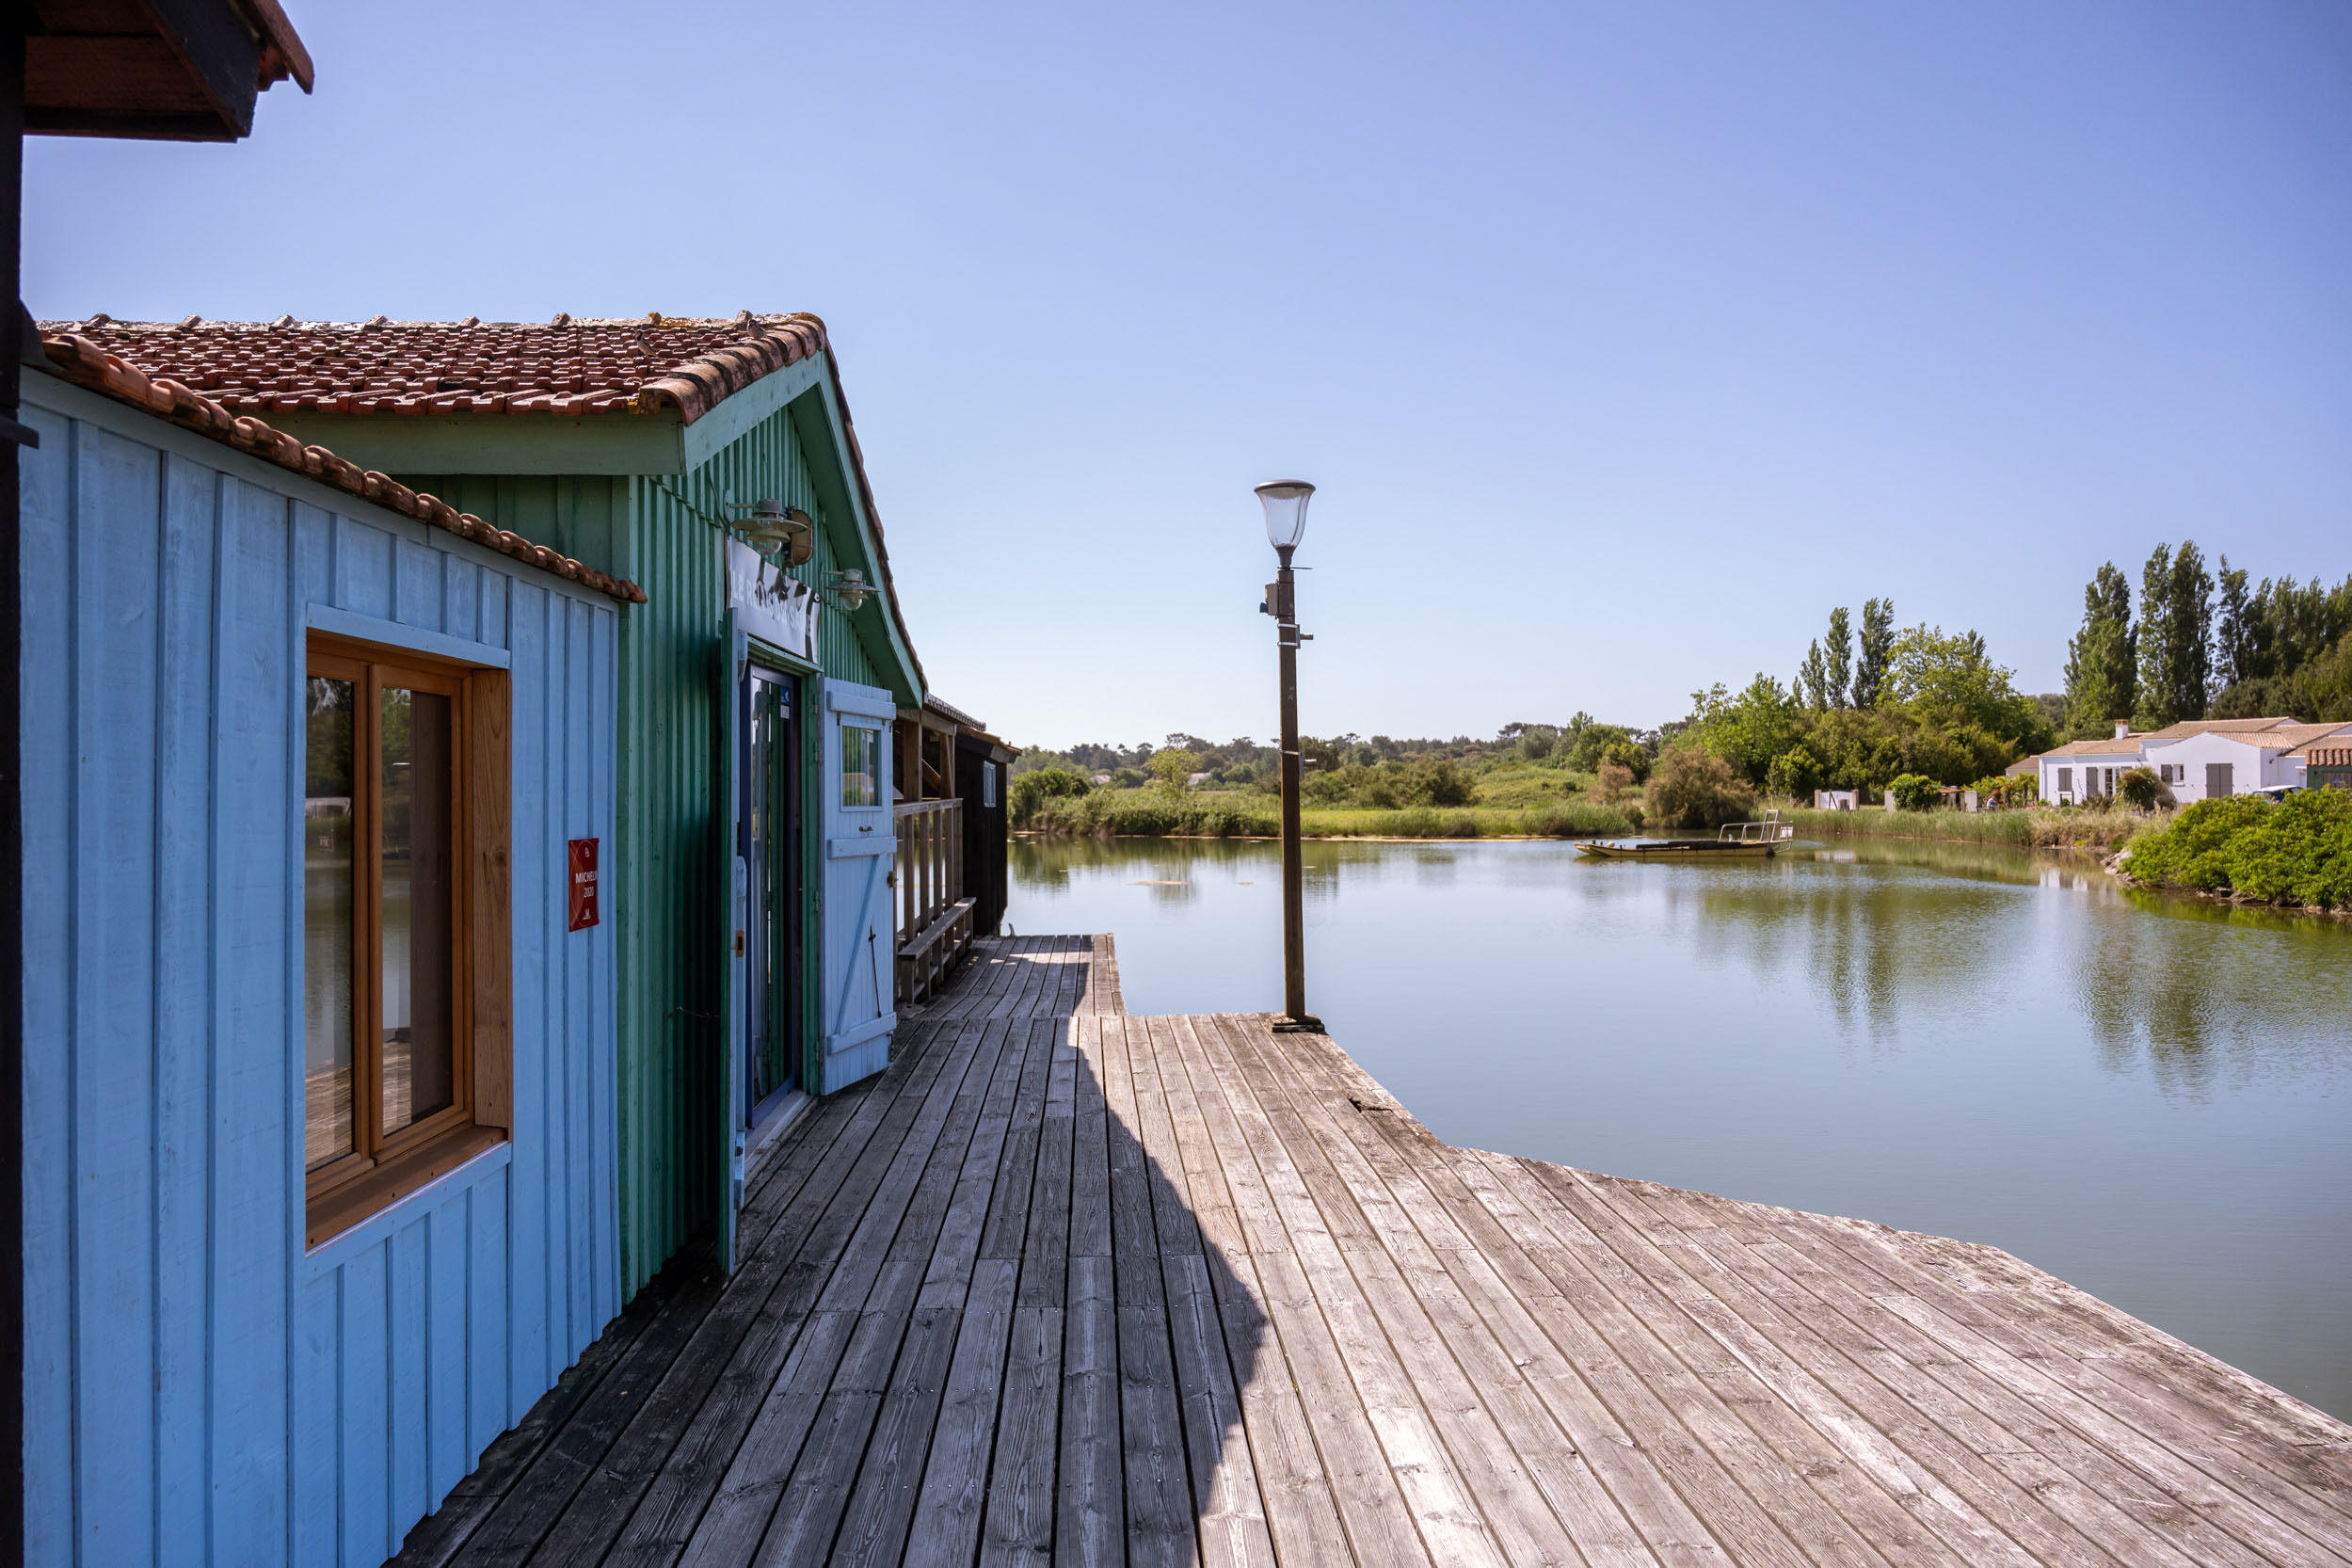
x: 584, y: 905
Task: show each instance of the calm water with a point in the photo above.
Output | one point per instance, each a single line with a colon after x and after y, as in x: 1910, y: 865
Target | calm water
x: 2150, y: 1099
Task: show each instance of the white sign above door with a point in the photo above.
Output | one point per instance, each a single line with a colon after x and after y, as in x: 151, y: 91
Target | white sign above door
x: 772, y: 606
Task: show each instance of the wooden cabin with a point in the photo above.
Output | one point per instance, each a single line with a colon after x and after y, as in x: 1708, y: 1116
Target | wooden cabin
x: 982, y: 775
x: 749, y: 883
x: 952, y: 828
x: 319, y: 1080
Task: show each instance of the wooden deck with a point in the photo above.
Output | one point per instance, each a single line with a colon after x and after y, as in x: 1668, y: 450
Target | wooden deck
x: 1065, y: 1285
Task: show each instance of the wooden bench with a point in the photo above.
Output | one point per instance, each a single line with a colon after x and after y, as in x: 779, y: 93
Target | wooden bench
x: 929, y: 955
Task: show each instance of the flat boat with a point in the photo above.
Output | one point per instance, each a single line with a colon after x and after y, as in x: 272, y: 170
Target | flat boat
x: 1733, y: 841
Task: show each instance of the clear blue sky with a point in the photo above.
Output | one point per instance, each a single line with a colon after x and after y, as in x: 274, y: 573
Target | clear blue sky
x: 1622, y: 340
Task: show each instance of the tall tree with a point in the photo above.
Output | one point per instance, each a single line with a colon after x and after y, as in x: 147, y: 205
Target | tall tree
x: 2175, y: 637
x: 2235, y: 653
x: 2102, y: 661
x: 1837, y: 659
x: 1876, y: 647
x: 1813, y: 681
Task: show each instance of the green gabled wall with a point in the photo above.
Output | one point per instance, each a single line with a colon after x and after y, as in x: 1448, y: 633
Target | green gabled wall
x: 663, y: 532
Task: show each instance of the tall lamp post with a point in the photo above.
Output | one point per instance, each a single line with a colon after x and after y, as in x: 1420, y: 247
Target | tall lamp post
x: 1285, y: 500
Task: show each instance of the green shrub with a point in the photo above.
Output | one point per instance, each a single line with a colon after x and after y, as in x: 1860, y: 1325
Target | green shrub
x: 1691, y: 787
x: 1440, y: 782
x: 2142, y: 790
x: 2299, y: 851
x: 1631, y: 756
x: 1171, y: 769
x: 1031, y: 791
x: 1916, y: 792
x: 1796, y: 772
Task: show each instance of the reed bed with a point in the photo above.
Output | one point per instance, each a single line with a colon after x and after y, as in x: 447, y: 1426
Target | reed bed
x: 2104, y: 828
x: 1150, y: 814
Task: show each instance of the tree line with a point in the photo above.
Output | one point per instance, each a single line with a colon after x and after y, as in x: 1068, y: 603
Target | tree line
x: 2207, y: 644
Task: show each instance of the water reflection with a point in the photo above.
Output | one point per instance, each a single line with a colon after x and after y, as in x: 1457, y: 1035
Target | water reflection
x: 2150, y: 1097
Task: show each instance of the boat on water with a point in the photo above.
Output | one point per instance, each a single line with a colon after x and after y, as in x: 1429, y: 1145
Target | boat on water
x: 1734, y: 840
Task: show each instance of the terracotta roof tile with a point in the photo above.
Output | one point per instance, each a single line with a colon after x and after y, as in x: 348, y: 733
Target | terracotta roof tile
x: 567, y: 366
x: 86, y: 363
x: 2186, y: 727
x: 2108, y: 746
x: 2317, y: 743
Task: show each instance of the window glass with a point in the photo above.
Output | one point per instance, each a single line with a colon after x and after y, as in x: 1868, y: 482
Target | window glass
x: 988, y: 785
x: 328, y: 939
x: 861, y: 750
x: 419, y: 990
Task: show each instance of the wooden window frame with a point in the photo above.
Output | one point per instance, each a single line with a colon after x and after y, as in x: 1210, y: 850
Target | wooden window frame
x: 384, y: 1168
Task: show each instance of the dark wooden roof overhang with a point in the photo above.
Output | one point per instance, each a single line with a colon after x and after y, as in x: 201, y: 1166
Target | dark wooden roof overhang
x: 157, y: 69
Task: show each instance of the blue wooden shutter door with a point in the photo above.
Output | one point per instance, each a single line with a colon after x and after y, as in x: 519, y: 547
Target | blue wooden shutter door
x: 859, y: 955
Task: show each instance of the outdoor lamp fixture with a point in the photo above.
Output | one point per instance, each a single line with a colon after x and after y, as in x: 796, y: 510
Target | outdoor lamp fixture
x: 1285, y: 500
x: 786, y: 535
x: 850, y: 587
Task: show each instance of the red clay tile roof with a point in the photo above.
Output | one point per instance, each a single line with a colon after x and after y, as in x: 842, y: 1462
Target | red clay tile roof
x: 2319, y: 741
x: 637, y: 365
x: 643, y: 364
x: 2233, y: 728
x: 86, y: 363
x: 2129, y: 745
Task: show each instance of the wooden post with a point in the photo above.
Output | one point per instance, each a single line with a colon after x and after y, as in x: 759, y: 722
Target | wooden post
x: 1296, y: 1019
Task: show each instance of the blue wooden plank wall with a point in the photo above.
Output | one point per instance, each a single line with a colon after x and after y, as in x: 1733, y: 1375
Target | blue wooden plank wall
x: 197, y: 1388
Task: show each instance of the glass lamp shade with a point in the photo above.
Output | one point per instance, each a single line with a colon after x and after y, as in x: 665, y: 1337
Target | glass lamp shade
x: 1285, y: 511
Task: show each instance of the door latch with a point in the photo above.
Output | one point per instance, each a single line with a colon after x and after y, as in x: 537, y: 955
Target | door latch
x: 739, y: 944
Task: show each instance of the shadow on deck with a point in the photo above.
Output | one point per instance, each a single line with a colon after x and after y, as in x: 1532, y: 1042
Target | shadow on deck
x: 1064, y: 1284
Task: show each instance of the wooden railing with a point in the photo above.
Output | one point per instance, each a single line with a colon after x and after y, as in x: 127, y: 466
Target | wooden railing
x: 935, y: 918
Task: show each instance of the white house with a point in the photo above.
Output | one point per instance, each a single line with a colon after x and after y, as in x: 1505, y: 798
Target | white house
x: 2202, y: 759
x: 2082, y: 770
x: 2197, y: 759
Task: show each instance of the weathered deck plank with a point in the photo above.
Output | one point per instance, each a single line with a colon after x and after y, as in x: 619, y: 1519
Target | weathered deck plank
x: 1063, y: 1284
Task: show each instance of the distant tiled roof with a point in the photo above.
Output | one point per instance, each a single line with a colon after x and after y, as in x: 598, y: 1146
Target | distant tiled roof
x: 638, y: 365
x: 86, y: 363
x: 2128, y: 747
x: 2236, y: 727
x: 2312, y: 741
x: 2324, y: 757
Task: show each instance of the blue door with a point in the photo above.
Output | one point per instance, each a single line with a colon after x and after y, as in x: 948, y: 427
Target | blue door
x: 859, y: 949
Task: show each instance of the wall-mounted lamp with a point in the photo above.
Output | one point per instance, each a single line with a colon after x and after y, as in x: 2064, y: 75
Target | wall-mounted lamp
x: 850, y: 584
x: 786, y: 535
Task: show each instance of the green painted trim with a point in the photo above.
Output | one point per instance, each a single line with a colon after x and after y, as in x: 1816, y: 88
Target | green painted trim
x: 817, y: 418
x: 745, y: 412
x: 772, y: 657
x: 496, y: 443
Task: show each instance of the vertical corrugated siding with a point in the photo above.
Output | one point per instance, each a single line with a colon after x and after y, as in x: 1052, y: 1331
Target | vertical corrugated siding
x: 663, y: 892
x: 669, y: 896
x: 672, y: 676
x: 199, y: 1390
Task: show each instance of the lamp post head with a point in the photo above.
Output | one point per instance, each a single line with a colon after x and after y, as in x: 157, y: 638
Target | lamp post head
x: 1285, y: 500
